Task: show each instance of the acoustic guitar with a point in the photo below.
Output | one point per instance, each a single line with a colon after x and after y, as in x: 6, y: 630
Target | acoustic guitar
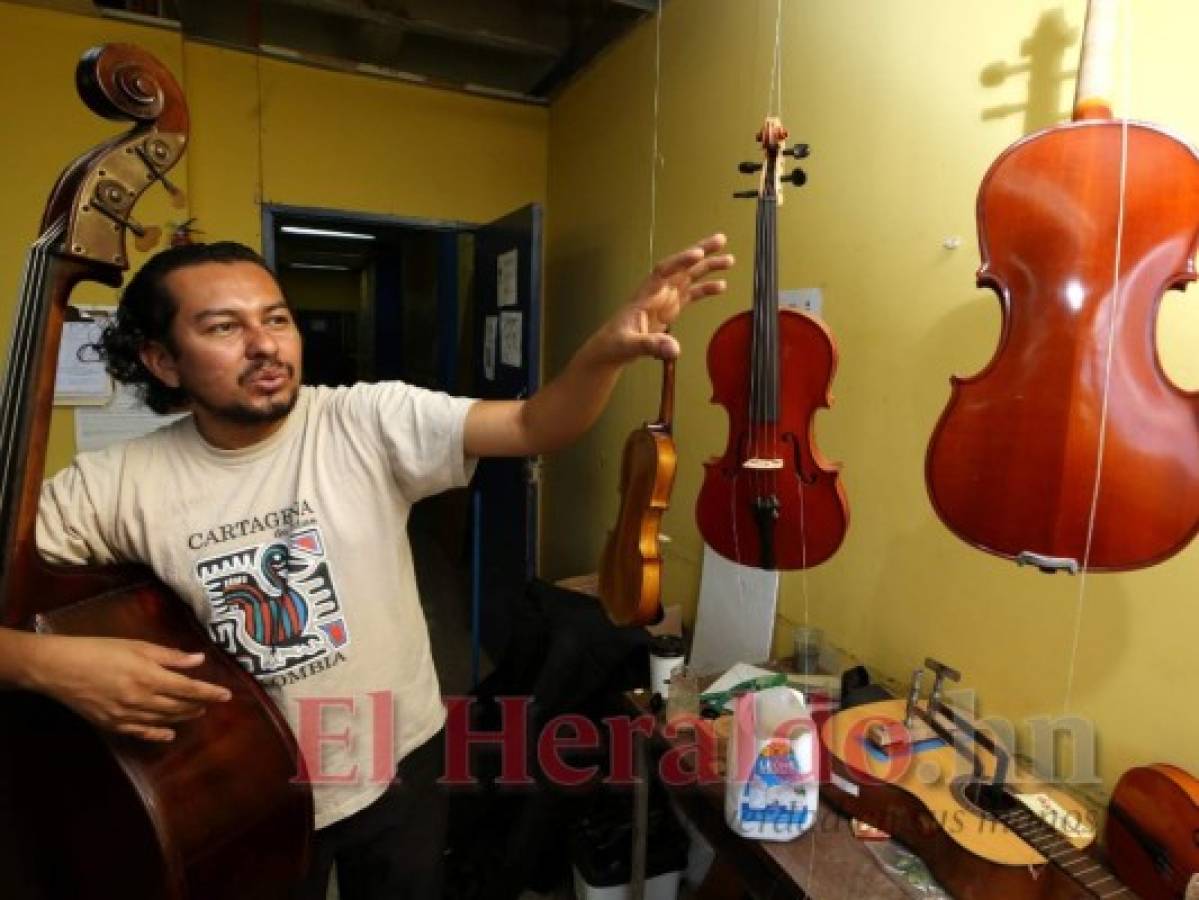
x: 1026, y: 841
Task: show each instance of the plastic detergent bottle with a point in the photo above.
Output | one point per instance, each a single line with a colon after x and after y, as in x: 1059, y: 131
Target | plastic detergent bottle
x: 772, y: 789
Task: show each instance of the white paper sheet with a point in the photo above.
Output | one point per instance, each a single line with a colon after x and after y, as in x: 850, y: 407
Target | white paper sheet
x: 124, y: 418
x: 735, y: 620
x: 80, y: 379
x: 505, y: 288
x: 510, y: 331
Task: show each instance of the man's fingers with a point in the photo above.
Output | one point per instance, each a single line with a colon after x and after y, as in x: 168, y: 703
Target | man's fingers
x: 170, y: 709
x: 711, y: 264
x: 708, y: 289
x: 181, y: 687
x: 147, y: 732
x: 685, y: 259
x: 659, y: 345
x: 169, y: 656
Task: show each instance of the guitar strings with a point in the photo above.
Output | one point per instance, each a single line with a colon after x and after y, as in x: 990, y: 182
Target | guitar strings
x: 1126, y: 79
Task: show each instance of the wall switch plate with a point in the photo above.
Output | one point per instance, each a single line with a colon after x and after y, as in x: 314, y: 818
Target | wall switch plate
x: 808, y: 300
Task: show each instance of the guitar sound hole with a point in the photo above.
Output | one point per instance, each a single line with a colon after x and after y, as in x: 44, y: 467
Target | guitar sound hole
x: 982, y: 796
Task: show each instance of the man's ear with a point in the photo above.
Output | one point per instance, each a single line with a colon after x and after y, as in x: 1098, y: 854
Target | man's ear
x: 161, y: 363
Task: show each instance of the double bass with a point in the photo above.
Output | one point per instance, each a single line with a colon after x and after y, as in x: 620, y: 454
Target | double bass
x: 222, y: 810
x: 772, y: 501
x: 1072, y: 449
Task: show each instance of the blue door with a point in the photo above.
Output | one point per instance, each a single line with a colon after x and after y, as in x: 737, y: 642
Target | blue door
x: 507, y: 327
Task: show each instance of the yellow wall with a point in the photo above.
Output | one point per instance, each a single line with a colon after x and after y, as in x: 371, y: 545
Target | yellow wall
x: 262, y: 130
x: 903, y: 123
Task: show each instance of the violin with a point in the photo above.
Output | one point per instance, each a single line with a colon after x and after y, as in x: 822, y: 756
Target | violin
x: 222, y: 810
x: 630, y: 582
x: 1153, y: 831
x: 1071, y: 449
x: 772, y: 501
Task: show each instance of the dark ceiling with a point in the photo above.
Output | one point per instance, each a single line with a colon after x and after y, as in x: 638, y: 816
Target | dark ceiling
x: 524, y: 49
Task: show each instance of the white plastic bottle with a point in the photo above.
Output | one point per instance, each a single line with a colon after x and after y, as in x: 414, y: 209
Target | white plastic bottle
x: 771, y: 787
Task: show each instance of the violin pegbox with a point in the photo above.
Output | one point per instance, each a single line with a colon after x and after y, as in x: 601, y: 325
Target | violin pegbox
x: 773, y: 137
x: 119, y: 81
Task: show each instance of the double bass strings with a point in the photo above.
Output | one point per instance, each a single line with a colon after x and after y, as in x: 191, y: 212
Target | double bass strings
x: 1101, y: 443
x: 24, y: 340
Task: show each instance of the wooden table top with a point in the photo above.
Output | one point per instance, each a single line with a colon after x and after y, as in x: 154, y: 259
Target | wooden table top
x: 826, y: 862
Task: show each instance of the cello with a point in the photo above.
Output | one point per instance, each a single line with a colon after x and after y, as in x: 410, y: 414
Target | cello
x: 630, y: 577
x: 223, y: 810
x: 772, y: 501
x: 1071, y: 449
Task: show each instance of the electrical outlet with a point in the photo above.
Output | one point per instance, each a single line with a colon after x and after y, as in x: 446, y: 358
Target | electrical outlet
x: 808, y: 300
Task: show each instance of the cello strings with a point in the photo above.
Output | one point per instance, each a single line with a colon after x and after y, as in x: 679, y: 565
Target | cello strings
x: 1101, y: 444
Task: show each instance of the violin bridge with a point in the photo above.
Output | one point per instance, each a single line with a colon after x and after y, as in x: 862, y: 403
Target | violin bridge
x: 757, y: 463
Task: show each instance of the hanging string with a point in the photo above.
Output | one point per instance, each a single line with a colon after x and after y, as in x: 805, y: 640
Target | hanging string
x: 1126, y: 80
x: 776, y: 70
x: 653, y: 166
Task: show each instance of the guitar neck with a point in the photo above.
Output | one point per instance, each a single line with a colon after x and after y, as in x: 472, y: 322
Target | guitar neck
x: 1078, y: 865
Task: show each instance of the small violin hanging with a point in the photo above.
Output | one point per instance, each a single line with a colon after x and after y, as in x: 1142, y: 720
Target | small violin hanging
x: 772, y: 501
x: 631, y: 568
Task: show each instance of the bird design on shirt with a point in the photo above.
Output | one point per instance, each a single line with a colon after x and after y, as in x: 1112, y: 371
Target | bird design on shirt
x: 274, y: 606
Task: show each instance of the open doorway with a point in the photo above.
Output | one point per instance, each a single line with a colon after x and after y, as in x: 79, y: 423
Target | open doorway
x: 380, y: 299
x: 448, y: 306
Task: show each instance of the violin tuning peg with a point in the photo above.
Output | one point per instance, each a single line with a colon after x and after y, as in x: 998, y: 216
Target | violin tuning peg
x: 797, y: 177
x: 744, y: 195
x: 748, y: 168
x: 799, y: 151
x: 148, y: 239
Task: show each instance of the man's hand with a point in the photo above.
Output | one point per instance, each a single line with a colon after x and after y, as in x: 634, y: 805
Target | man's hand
x: 568, y: 405
x: 639, y: 329
x: 130, y: 687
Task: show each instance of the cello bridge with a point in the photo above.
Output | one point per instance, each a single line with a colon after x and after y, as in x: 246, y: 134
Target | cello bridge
x: 759, y: 464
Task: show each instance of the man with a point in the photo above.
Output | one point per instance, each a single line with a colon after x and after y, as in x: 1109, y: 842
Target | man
x: 278, y: 513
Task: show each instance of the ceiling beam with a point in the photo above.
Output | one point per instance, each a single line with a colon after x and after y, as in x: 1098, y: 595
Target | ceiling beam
x: 649, y: 6
x: 458, y: 32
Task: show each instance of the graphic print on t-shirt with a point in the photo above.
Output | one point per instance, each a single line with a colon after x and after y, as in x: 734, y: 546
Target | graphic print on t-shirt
x: 274, y: 606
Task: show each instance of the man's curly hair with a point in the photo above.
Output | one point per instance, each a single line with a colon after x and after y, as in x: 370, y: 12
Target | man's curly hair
x: 146, y: 312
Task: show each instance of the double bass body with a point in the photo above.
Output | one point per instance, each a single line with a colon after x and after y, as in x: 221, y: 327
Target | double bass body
x: 1011, y: 466
x: 223, y: 810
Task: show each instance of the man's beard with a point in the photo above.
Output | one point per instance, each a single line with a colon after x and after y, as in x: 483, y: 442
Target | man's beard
x: 244, y: 414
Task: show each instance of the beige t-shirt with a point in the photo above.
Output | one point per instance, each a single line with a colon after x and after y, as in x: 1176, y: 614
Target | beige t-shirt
x: 294, y: 553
